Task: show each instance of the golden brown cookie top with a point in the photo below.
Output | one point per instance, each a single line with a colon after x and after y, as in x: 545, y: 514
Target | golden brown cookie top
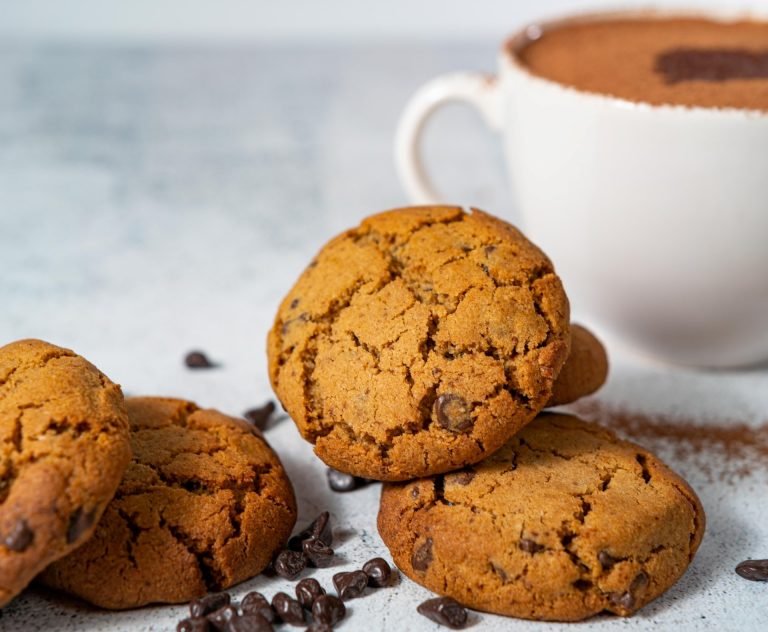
x: 63, y: 445
x: 419, y: 342
x: 204, y: 504
x: 563, y: 522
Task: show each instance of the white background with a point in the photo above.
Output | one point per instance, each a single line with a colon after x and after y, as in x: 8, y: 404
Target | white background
x: 291, y: 19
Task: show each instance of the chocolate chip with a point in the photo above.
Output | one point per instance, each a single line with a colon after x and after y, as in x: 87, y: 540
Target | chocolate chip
x: 754, y: 570
x: 288, y: 610
x: 193, y: 624
x: 318, y: 529
x: 219, y: 618
x: 350, y: 585
x: 307, y: 590
x: 624, y: 600
x: 464, y: 477
x: 639, y: 582
x: 422, y: 557
x: 256, y: 603
x: 318, y: 554
x: 289, y: 564
x: 627, y: 599
x: 445, y: 611
x: 606, y: 560
x: 79, y: 522
x: 20, y: 537
x: 489, y: 250
x: 453, y: 412
x: 328, y: 609
x: 198, y: 360
x: 249, y: 623
x: 204, y: 605
x: 529, y: 546
x: 261, y: 416
x: 341, y: 482
x: 319, y: 627
x: 378, y: 571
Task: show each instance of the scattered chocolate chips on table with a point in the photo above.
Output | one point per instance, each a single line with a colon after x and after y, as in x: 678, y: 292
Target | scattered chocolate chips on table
x: 328, y: 609
x: 317, y: 554
x: 319, y: 529
x: 289, y: 564
x: 307, y: 591
x: 445, y: 611
x: 378, y: 571
x: 215, y: 612
x: 198, y: 360
x: 205, y: 605
x: 193, y: 624
x: 350, y: 585
x: 256, y: 603
x: 288, y: 609
x: 754, y: 570
x: 341, y: 482
x: 263, y: 416
x: 221, y: 617
x: 249, y: 623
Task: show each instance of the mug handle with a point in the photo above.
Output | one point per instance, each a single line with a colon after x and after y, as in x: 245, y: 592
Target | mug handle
x: 477, y: 89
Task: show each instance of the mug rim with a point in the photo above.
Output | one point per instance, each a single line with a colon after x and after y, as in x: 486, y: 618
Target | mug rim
x: 532, y: 31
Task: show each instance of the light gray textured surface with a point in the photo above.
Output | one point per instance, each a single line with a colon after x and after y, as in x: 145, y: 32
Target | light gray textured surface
x: 154, y: 201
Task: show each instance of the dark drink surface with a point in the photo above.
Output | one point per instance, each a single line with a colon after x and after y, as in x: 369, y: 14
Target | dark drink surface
x: 659, y: 60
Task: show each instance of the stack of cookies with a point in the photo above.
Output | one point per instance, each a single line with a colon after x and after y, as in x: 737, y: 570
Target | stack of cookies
x: 125, y: 502
x: 420, y: 349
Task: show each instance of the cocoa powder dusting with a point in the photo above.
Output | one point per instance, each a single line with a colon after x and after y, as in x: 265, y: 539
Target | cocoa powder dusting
x: 726, y: 450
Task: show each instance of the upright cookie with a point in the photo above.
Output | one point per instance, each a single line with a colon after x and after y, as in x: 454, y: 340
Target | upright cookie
x: 419, y: 342
x: 563, y: 522
x: 65, y: 446
x: 204, y: 504
x: 584, y: 371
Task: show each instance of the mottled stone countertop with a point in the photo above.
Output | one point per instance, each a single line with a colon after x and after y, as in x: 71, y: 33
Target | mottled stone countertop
x: 155, y: 200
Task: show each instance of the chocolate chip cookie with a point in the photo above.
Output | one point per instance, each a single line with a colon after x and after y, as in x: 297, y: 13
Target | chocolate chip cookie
x: 584, y: 371
x: 65, y: 446
x: 419, y: 342
x: 563, y: 522
x: 204, y: 504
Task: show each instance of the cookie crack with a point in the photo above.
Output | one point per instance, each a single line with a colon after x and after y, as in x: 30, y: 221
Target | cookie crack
x: 390, y: 247
x: 211, y: 575
x: 132, y: 541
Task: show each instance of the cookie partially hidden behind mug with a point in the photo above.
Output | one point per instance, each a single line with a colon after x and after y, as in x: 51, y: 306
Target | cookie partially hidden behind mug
x: 204, y: 505
x: 419, y: 342
x: 563, y: 522
x: 585, y: 370
x: 64, y: 446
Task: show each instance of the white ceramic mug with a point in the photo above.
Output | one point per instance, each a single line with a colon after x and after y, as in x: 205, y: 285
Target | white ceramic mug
x: 656, y: 217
